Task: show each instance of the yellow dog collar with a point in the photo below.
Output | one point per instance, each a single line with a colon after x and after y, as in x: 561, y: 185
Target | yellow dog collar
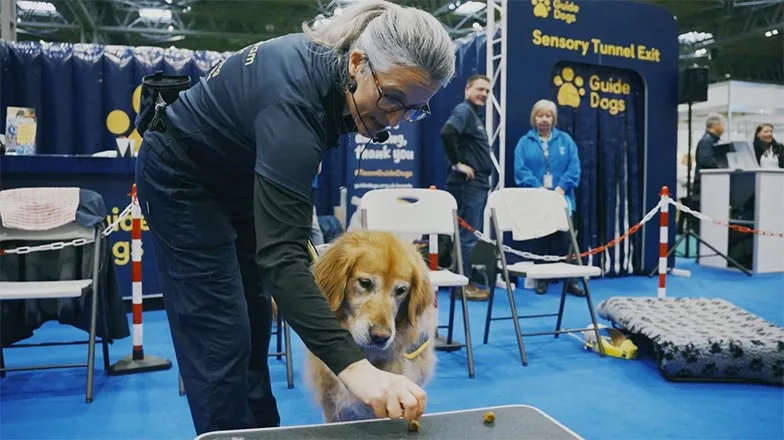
x: 424, y: 341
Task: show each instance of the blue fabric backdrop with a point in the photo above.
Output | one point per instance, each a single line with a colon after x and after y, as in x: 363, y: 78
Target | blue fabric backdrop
x: 611, y: 150
x: 76, y: 87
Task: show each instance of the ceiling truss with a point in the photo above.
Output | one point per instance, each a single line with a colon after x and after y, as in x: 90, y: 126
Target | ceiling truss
x: 737, y: 48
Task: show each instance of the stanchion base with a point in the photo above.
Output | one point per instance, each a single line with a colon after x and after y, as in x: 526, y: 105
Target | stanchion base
x: 442, y: 345
x: 128, y: 365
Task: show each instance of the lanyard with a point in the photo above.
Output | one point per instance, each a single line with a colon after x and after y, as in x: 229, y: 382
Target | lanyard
x: 546, y: 152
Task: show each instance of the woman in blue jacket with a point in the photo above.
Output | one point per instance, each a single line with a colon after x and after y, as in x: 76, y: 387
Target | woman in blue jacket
x: 546, y: 157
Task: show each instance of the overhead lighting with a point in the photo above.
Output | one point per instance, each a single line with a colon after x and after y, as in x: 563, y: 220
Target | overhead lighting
x: 37, y: 8
x: 155, y: 14
x: 469, y: 7
x: 695, y: 37
x: 700, y: 52
x: 771, y: 33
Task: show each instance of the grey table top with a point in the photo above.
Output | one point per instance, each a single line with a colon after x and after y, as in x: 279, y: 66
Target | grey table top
x: 512, y: 422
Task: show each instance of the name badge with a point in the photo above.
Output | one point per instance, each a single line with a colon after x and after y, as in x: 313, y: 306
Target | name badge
x: 548, y: 181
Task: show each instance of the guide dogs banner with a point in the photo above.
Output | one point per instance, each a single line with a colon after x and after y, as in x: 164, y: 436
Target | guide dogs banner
x: 394, y: 163
x: 575, y: 52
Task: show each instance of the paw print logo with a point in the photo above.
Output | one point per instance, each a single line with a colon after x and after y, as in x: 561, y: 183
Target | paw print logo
x: 119, y: 123
x: 570, y: 88
x: 541, y: 8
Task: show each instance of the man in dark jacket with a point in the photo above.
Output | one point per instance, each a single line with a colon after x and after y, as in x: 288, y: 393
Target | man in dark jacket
x: 714, y: 128
x: 468, y: 149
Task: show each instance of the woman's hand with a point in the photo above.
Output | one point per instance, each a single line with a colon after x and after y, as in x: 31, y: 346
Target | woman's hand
x: 559, y: 190
x: 390, y: 395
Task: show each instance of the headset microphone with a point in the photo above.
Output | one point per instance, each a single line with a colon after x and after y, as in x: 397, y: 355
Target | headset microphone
x: 381, y: 137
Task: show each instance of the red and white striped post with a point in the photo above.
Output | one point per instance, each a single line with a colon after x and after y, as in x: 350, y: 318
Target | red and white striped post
x: 137, y: 362
x: 432, y: 244
x: 136, y: 276
x: 664, y: 218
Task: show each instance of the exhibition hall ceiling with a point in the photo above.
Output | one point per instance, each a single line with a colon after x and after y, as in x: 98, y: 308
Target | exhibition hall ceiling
x: 741, y: 39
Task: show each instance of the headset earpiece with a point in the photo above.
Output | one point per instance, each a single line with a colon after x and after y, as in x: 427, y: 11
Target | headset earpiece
x: 352, y: 85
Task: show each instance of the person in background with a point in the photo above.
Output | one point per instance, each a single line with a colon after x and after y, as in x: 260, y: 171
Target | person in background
x: 770, y: 154
x: 468, y: 180
x: 316, y: 236
x: 714, y: 129
x: 546, y: 157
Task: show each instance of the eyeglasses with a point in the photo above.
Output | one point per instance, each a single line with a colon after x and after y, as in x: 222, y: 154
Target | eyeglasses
x: 390, y: 104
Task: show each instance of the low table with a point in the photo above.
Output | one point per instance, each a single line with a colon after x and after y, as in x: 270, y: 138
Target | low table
x: 512, y: 422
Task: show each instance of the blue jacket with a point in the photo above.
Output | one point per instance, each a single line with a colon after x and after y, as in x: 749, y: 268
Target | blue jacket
x: 530, y: 164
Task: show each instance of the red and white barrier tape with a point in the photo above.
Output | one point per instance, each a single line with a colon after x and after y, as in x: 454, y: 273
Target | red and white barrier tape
x: 681, y: 207
x: 555, y: 258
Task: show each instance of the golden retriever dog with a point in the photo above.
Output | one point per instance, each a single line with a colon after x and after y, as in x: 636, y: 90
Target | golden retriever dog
x: 380, y: 291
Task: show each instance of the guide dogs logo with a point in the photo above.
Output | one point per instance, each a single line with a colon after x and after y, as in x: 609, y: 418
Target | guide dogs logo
x: 608, y: 94
x: 541, y: 8
x: 605, y: 94
x: 562, y: 10
x: 570, y: 88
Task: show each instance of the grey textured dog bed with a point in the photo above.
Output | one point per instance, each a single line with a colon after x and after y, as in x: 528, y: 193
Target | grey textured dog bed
x: 703, y: 339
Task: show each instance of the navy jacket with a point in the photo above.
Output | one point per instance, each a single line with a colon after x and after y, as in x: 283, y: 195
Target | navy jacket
x: 256, y: 128
x: 473, y: 147
x: 273, y: 107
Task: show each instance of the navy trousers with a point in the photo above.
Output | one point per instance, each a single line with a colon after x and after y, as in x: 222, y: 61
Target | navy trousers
x: 220, y: 317
x: 471, y: 201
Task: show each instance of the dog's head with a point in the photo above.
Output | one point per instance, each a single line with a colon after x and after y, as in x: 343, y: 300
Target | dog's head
x: 375, y: 284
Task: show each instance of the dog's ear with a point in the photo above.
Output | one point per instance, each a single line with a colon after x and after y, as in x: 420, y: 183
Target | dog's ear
x: 421, y: 295
x: 332, y: 270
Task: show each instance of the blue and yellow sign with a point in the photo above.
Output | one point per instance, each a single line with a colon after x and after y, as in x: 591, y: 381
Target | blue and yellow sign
x: 565, y: 11
x: 611, y: 67
x: 605, y: 93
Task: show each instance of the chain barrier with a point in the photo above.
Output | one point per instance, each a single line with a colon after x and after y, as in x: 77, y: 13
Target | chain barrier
x: 680, y: 206
x: 554, y: 258
x: 74, y: 243
x: 549, y: 258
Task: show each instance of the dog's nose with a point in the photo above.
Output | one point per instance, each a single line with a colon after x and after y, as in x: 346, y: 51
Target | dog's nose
x: 379, y: 335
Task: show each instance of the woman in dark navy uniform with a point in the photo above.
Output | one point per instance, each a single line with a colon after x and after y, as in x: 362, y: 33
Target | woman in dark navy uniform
x: 224, y: 177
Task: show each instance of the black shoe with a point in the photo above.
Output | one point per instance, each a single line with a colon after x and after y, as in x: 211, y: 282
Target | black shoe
x: 541, y: 287
x: 574, y: 288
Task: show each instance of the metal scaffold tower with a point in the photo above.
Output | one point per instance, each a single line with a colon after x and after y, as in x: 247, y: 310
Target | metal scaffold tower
x: 495, y: 110
x: 8, y: 20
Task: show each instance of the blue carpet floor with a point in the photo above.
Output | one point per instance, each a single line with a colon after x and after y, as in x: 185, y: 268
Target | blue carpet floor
x: 597, y: 398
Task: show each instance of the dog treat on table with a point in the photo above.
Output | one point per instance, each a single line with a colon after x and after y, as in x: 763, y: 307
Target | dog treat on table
x: 489, y: 417
x: 413, y: 426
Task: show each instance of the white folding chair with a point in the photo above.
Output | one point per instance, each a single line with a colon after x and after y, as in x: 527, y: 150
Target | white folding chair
x: 418, y: 211
x: 530, y: 213
x: 38, y: 290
